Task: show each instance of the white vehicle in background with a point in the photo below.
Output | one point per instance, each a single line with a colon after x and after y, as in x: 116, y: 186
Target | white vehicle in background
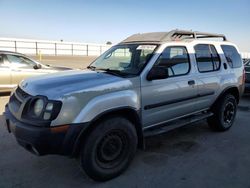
x: 15, y: 67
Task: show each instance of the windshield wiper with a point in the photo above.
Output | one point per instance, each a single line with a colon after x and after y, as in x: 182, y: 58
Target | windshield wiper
x: 110, y: 71
x: 91, y: 67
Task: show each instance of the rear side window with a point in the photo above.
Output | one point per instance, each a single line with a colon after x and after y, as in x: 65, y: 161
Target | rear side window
x: 207, y: 58
x: 233, y: 57
x: 176, y: 61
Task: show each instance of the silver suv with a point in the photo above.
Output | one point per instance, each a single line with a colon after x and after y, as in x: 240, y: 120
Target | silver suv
x: 146, y: 85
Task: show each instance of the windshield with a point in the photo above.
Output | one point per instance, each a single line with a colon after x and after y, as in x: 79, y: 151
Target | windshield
x: 127, y: 59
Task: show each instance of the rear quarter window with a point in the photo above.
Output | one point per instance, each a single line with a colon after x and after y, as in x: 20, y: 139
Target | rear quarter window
x: 232, y: 56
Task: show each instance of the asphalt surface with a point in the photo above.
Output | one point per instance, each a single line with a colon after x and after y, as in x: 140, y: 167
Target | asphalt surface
x: 191, y: 156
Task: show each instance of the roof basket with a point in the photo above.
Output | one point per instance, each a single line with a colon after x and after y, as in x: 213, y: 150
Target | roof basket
x: 173, y: 35
x: 181, y: 34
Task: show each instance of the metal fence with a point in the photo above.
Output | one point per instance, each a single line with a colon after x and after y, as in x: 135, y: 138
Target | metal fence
x: 52, y: 47
x: 245, y: 55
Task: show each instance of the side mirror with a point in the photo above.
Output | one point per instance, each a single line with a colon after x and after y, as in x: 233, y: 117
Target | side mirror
x: 157, y: 73
x: 37, y: 66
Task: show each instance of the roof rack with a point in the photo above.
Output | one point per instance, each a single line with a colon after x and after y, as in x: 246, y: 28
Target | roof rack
x: 171, y: 36
x: 182, y: 34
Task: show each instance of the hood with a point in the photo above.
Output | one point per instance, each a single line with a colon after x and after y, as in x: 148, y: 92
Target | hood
x: 63, y: 83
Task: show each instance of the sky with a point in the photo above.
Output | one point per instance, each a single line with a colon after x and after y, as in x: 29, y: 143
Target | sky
x: 99, y: 21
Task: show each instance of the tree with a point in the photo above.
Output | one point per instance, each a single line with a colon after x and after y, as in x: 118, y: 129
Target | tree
x: 109, y: 43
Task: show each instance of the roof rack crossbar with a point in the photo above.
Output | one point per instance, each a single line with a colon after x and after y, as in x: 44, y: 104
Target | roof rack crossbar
x: 195, y: 35
x: 173, y: 35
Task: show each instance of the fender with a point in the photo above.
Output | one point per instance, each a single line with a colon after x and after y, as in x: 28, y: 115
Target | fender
x: 130, y: 113
x: 106, y: 102
x: 231, y: 89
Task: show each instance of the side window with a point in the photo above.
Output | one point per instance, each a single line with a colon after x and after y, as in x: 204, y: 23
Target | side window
x: 176, y: 61
x: 20, y: 61
x: 207, y: 58
x: 232, y: 56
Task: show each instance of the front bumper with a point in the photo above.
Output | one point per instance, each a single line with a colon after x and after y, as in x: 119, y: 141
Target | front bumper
x: 60, y: 140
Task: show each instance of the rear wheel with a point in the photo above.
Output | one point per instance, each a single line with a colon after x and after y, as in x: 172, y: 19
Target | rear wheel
x: 224, y: 113
x: 109, y: 148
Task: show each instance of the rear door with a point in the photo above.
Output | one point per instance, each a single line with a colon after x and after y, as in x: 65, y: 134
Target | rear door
x: 208, y: 64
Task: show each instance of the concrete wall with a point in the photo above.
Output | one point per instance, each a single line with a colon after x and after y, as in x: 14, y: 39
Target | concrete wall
x: 245, y: 55
x: 46, y: 47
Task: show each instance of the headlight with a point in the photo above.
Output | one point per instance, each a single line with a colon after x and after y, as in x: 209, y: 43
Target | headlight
x: 38, y: 107
x: 49, y: 106
x: 48, y: 111
x: 41, y: 110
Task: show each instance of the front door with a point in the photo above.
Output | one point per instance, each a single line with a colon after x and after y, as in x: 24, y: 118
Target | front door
x: 173, y: 97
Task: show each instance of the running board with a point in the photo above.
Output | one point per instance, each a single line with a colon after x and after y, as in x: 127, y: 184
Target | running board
x: 159, y: 129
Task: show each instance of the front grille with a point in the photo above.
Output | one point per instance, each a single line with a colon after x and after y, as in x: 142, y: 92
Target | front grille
x: 21, y: 94
x: 14, y: 103
x: 17, y: 99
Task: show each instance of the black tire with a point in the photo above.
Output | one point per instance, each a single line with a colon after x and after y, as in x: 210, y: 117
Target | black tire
x: 109, y: 148
x: 224, y: 113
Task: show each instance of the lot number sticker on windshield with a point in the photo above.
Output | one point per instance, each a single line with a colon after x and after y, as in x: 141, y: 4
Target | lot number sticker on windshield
x: 146, y: 47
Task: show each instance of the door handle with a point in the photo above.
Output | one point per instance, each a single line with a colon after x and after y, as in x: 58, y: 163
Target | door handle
x: 191, y: 82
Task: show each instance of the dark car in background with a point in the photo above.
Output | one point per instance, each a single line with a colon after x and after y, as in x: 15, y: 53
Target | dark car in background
x: 247, y: 70
x: 15, y: 67
x: 245, y: 60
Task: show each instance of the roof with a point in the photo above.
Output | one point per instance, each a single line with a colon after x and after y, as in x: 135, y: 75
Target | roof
x: 171, y: 36
x: 12, y: 53
x: 9, y: 52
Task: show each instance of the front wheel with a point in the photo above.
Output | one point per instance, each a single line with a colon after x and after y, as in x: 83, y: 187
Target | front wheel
x: 109, y: 148
x: 224, y: 113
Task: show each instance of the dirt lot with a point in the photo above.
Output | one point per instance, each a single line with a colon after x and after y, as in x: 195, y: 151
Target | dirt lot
x: 68, y: 61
